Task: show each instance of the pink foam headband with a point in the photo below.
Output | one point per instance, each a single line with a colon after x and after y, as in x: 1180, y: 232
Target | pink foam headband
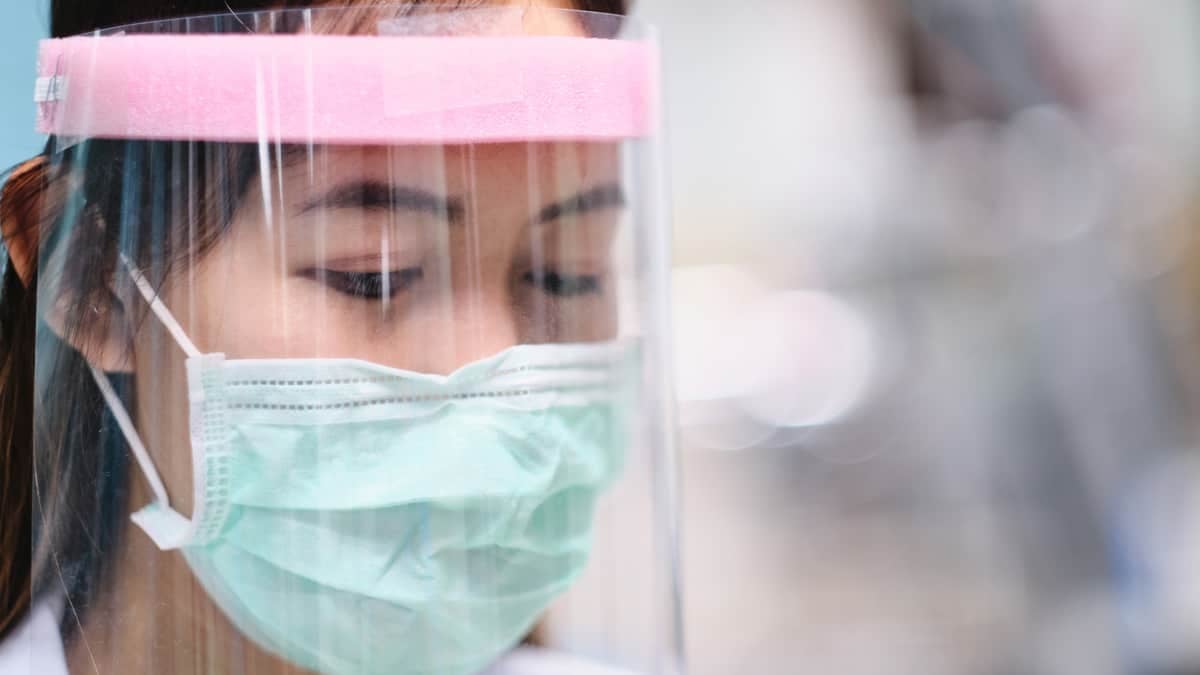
x: 347, y: 89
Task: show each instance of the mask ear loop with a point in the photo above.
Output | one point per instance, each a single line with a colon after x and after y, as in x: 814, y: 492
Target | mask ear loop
x: 160, y: 521
x: 131, y: 437
x: 160, y: 310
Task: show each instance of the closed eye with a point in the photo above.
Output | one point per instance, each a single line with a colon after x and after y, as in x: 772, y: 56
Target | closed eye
x: 561, y: 285
x: 367, y: 285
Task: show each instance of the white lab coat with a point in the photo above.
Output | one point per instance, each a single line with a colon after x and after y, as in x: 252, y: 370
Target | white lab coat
x: 38, y: 635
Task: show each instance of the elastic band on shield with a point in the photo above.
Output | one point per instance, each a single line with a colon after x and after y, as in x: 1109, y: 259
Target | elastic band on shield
x: 360, y: 90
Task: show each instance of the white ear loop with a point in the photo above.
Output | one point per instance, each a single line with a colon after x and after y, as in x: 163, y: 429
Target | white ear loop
x: 160, y: 310
x: 131, y: 436
x: 114, y: 402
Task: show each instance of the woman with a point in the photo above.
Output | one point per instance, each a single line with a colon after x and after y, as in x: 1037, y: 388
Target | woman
x: 350, y: 288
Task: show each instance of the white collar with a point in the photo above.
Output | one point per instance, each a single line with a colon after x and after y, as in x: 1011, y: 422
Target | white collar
x: 37, y: 641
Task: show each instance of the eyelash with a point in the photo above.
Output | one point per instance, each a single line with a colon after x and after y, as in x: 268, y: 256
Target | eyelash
x: 370, y: 285
x: 562, y: 285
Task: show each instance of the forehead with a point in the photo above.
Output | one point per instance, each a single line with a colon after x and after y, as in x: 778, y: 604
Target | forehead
x: 429, y: 165
x: 529, y: 17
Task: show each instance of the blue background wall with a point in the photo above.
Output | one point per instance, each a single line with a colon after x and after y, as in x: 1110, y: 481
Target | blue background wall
x: 22, y: 24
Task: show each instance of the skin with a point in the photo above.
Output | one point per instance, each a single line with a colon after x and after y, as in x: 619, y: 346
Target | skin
x: 288, y: 279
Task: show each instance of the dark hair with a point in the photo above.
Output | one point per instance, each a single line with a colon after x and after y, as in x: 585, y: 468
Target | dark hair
x: 65, y: 503
x: 17, y: 312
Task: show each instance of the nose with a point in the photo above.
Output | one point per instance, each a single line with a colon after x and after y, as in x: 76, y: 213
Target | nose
x: 477, y: 324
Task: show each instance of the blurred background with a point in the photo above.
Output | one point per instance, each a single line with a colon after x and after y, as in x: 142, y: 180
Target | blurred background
x: 936, y: 326
x: 937, y: 297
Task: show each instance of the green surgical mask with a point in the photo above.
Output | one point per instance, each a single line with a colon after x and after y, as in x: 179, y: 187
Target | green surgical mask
x: 355, y: 518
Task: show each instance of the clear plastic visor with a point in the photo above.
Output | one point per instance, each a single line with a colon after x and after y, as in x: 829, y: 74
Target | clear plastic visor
x: 351, y: 341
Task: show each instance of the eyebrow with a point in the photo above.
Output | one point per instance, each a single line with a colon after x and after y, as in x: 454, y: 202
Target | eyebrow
x: 384, y: 196
x: 606, y: 196
x: 370, y: 194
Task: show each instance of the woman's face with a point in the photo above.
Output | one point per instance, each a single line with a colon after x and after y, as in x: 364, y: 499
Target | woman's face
x: 423, y: 258
x: 420, y: 258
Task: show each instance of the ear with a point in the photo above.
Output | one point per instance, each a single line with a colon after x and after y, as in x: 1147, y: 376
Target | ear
x: 98, y: 329
x: 20, y: 205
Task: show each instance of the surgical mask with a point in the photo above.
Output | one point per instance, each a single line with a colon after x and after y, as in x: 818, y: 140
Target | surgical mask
x: 356, y: 518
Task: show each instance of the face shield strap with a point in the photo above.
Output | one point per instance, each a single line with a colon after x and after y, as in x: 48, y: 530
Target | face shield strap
x: 167, y: 527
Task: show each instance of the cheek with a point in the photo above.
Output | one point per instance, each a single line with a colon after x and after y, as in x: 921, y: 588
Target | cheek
x: 544, y: 318
x: 161, y: 415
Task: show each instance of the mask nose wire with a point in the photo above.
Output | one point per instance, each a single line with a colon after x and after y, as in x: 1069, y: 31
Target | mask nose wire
x: 114, y: 402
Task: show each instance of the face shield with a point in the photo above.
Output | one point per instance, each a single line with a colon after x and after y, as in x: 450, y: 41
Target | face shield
x: 350, y: 356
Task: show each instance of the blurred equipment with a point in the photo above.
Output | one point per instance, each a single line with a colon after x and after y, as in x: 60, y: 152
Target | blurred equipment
x: 934, y: 344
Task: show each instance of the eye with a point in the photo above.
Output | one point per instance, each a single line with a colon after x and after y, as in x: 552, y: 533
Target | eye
x: 563, y: 285
x: 368, y: 285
